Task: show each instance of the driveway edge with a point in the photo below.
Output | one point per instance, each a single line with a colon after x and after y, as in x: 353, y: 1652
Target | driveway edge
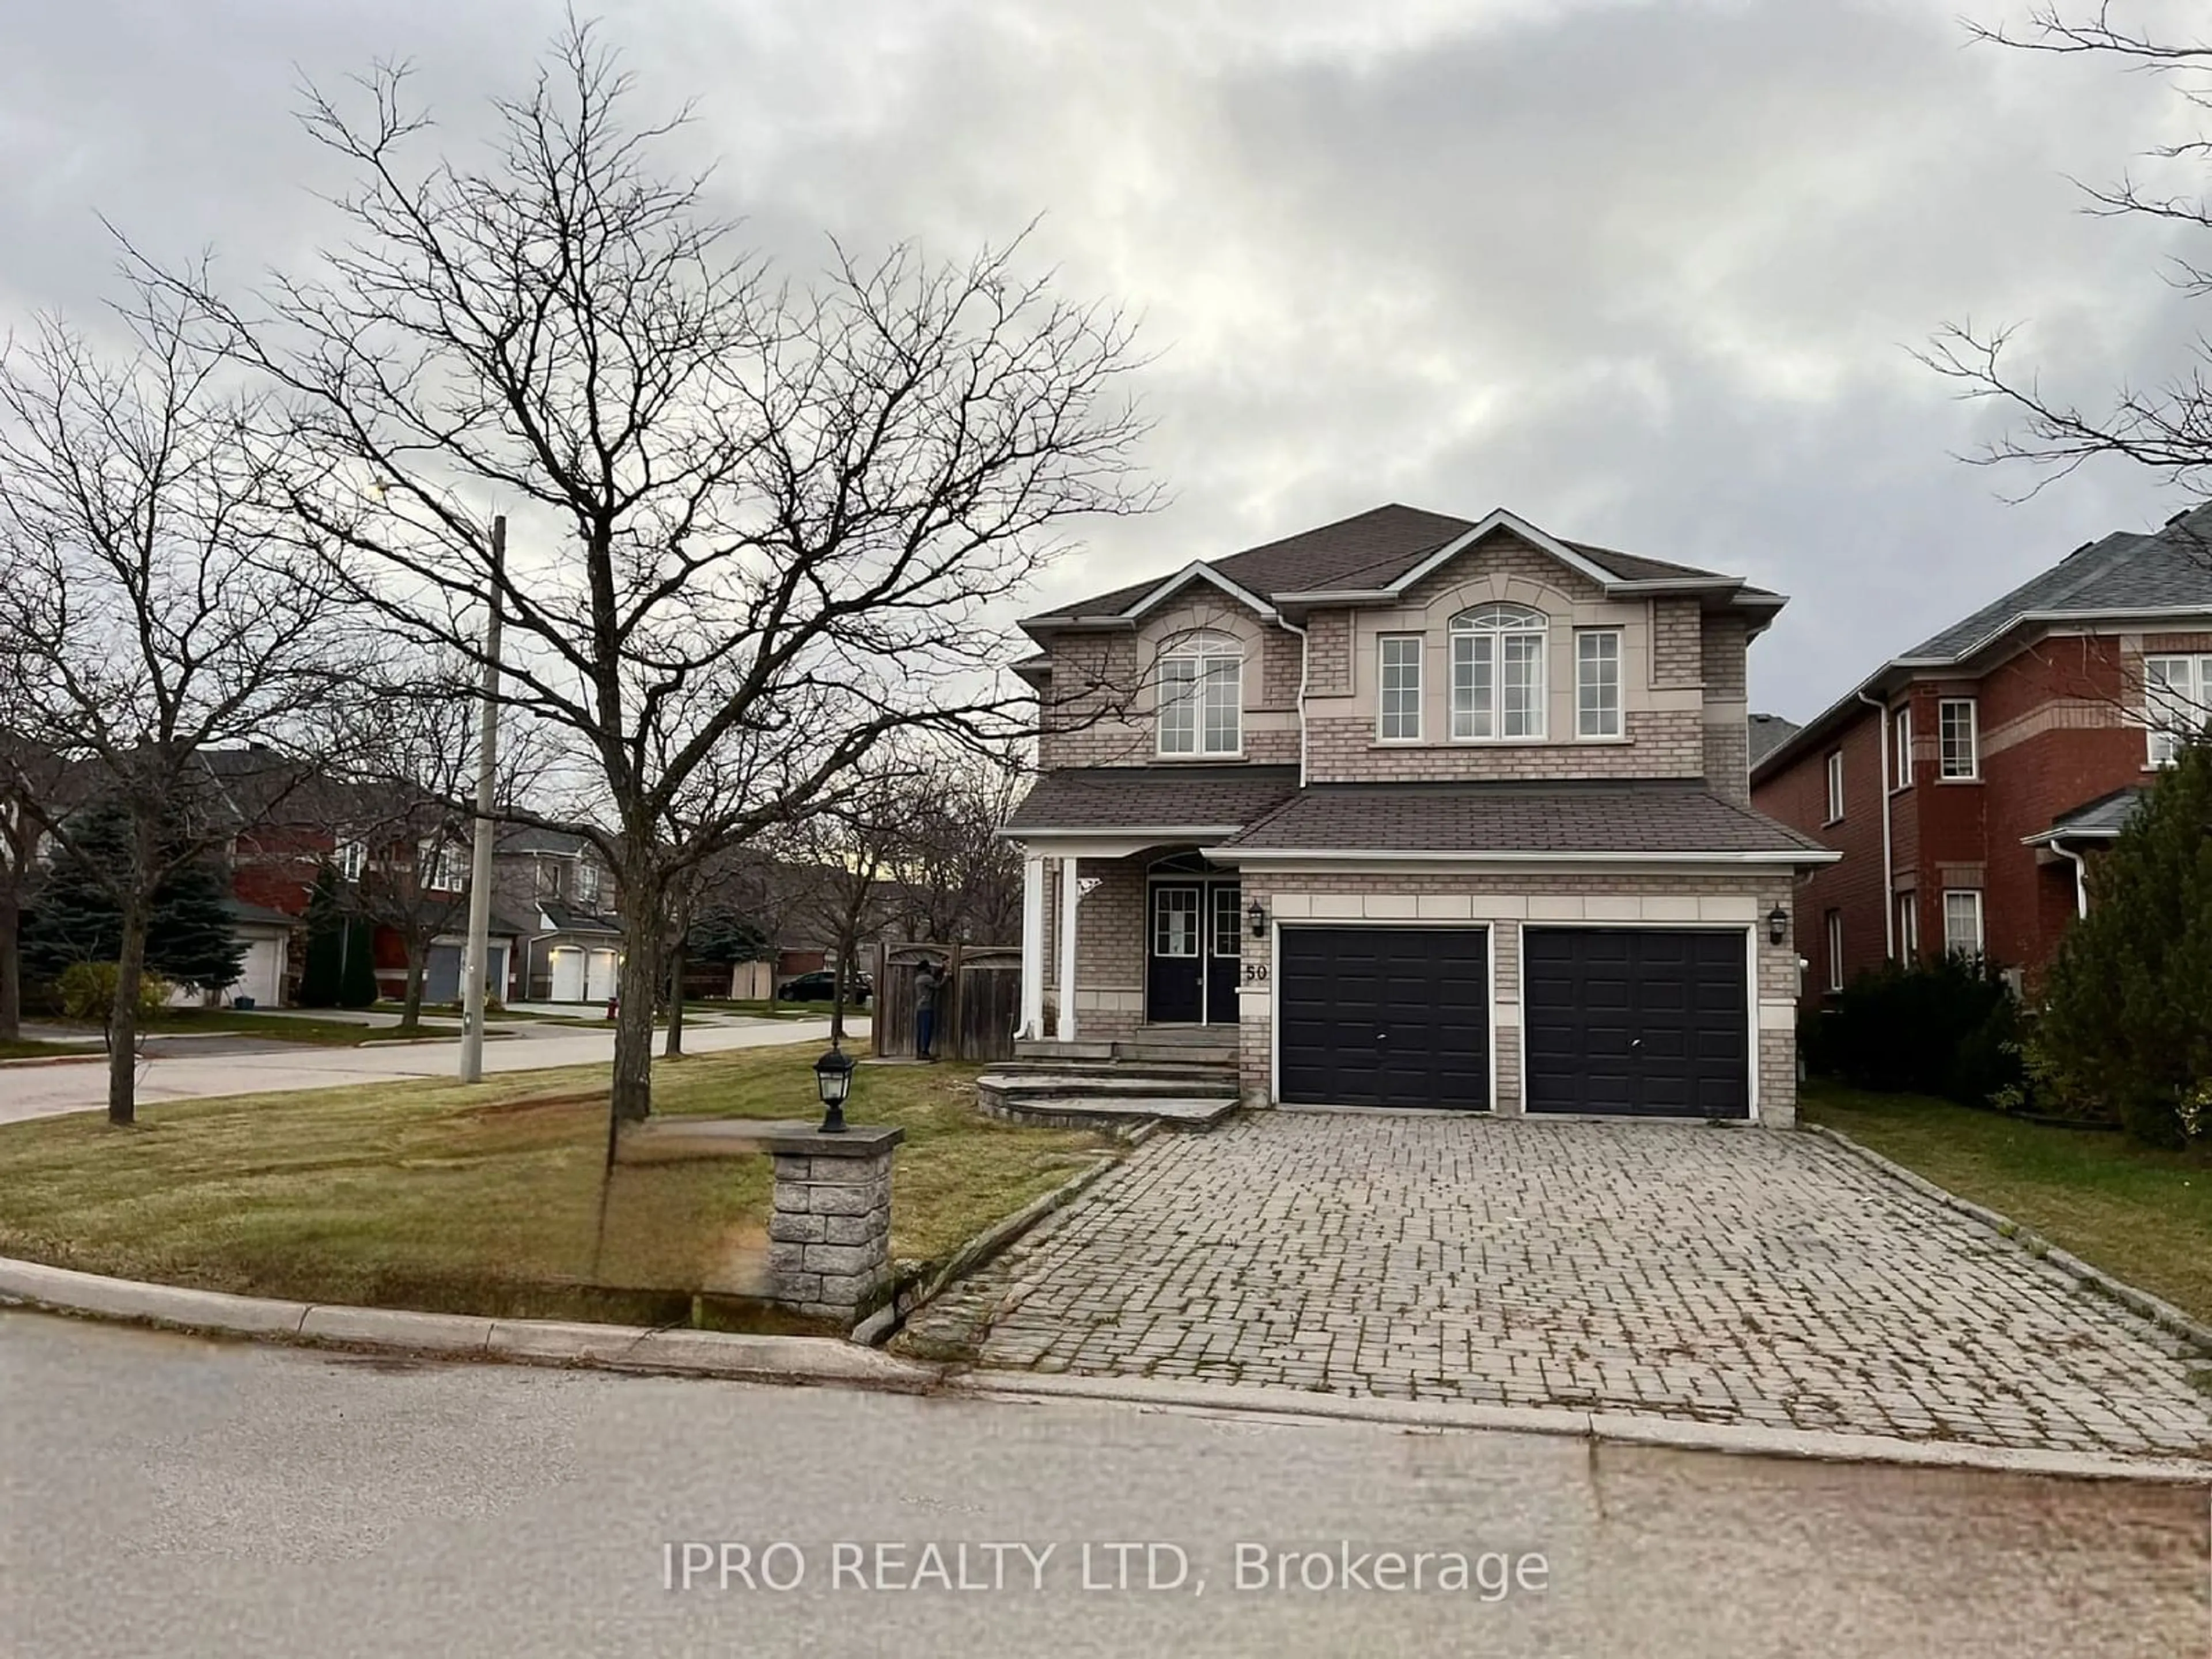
x: 1615, y: 1428
x: 2160, y: 1313
x: 668, y: 1351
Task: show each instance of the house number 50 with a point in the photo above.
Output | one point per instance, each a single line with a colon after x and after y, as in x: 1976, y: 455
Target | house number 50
x: 1255, y: 973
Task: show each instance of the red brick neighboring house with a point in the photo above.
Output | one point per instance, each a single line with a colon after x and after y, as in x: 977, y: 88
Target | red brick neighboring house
x: 1970, y: 782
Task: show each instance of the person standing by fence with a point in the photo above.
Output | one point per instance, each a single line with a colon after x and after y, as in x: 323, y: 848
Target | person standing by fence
x: 927, y: 979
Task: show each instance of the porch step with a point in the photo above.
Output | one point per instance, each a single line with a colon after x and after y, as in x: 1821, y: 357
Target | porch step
x: 1117, y: 1084
x: 1144, y: 1051
x: 1109, y: 1112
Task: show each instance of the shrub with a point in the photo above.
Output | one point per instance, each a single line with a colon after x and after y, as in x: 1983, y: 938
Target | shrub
x: 87, y: 990
x: 1950, y: 1027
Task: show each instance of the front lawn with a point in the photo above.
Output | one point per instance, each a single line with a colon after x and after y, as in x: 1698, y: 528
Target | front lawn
x: 482, y: 1198
x: 2142, y: 1215
x: 281, y: 1028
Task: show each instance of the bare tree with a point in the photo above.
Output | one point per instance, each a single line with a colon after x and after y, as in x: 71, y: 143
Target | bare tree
x: 959, y: 880
x: 2166, y: 428
x: 845, y: 854
x: 153, y: 618
x: 760, y: 528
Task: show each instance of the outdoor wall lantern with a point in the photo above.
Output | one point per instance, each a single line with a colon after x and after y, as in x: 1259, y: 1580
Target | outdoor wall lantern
x: 1258, y: 917
x: 833, y: 1081
x: 1777, y: 925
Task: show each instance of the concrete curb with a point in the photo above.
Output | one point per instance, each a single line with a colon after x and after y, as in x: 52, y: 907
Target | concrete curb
x: 1618, y: 1428
x: 735, y: 1355
x: 2160, y: 1313
x: 67, y: 1057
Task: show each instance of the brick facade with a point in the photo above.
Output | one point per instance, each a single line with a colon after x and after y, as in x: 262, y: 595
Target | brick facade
x: 2057, y: 727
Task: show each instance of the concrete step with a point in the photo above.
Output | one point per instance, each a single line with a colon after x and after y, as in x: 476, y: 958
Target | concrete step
x: 1098, y: 1112
x: 1184, y: 1036
x: 1107, y: 1085
x: 1146, y: 1053
x: 1053, y: 1048
x: 1132, y: 1068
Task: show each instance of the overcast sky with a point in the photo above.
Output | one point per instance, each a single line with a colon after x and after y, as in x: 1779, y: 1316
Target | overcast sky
x: 1645, y: 273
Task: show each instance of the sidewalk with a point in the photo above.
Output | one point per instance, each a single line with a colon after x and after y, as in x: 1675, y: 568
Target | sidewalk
x: 28, y: 1092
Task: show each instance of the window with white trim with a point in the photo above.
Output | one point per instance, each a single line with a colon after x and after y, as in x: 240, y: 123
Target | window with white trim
x: 352, y: 858
x: 1597, y: 683
x: 1835, y: 950
x: 2176, y: 697
x: 1398, y: 688
x: 587, y: 882
x: 1900, y: 746
x: 446, y: 868
x: 1962, y: 922
x: 1497, y: 672
x: 1201, y: 697
x: 1835, y: 786
x: 1175, y: 921
x: 1908, y: 927
x: 1958, y: 743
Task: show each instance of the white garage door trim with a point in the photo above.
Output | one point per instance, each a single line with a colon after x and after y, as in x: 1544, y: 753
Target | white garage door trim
x: 1751, y: 1004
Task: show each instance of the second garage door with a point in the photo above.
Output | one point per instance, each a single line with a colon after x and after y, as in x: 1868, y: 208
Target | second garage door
x: 1385, y: 1016
x: 1638, y: 1021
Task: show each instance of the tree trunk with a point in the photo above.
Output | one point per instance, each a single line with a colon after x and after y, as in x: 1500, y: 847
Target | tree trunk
x: 842, y: 984
x: 675, y: 1043
x: 123, y: 1015
x: 638, y: 982
x: 418, y: 963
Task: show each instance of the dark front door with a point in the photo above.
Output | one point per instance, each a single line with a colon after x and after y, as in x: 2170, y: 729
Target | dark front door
x: 1175, y: 975
x: 1385, y: 1016
x: 1224, y: 950
x: 1644, y: 1022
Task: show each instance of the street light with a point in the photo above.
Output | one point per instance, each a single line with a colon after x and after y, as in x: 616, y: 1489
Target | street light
x: 833, y: 1081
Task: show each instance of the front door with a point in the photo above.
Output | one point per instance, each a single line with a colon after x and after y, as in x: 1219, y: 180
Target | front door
x: 1194, y: 952
x: 1175, y: 977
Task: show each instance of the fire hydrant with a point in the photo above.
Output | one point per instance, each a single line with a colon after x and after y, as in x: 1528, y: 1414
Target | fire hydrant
x: 614, y: 1007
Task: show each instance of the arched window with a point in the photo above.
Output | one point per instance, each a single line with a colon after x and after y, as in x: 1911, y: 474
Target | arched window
x: 1202, y: 696
x: 1498, y: 671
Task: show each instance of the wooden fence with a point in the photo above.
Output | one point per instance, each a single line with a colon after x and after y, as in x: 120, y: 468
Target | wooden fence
x: 977, y: 1003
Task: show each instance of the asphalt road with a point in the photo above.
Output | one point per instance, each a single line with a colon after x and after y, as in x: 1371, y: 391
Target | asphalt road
x: 163, y: 1495
x: 179, y: 1072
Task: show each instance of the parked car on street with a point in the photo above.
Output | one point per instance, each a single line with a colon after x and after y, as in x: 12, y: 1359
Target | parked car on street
x: 821, y: 985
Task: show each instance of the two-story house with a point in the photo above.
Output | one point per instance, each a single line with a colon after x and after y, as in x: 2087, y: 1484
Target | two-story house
x: 1969, y: 783
x: 570, y: 945
x: 1415, y: 811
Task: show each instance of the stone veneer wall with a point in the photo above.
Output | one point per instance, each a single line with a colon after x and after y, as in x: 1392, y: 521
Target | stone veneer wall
x: 1504, y: 901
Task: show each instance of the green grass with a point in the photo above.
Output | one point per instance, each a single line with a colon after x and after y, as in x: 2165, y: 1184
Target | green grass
x: 483, y: 1198
x: 12, y: 1050
x: 2142, y: 1215
x: 281, y: 1028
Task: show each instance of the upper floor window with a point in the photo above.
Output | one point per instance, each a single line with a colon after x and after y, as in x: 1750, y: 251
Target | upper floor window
x: 1498, y: 671
x: 445, y: 867
x: 1398, y: 682
x: 1958, y: 742
x: 587, y: 882
x: 1900, y: 745
x: 1597, y: 683
x: 2175, y: 703
x: 1835, y: 784
x: 352, y: 858
x: 1202, y: 696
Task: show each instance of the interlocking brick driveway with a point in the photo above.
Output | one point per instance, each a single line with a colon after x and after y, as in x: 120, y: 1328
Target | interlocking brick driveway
x: 1721, y: 1274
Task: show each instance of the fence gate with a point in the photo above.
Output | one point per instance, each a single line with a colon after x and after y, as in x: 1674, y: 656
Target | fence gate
x: 977, y: 1004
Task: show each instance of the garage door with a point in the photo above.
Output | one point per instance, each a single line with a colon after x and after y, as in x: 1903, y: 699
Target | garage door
x: 442, y: 974
x: 1642, y: 1023
x: 1385, y: 1016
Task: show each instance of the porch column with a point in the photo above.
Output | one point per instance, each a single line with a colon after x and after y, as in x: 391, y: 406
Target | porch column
x: 1071, y: 895
x: 1032, y: 1019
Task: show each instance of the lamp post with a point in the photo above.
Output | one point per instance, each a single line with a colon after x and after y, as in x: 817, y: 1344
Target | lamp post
x: 475, y: 962
x: 833, y: 1081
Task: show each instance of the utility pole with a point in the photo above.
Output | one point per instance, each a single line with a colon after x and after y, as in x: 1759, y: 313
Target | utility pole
x: 475, y: 962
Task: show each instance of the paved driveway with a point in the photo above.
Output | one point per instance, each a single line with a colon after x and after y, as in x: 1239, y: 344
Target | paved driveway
x: 1723, y: 1274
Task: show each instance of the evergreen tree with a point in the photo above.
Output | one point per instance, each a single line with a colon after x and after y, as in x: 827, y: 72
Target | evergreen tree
x: 357, y: 979
x: 321, y: 973
x: 2128, y: 1025
x: 190, y: 940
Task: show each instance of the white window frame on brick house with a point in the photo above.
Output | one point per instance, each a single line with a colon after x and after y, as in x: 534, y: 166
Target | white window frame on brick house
x: 1398, y: 688
x: 1499, y: 688
x: 1597, y: 683
x: 1908, y: 926
x: 445, y: 867
x: 1835, y: 940
x: 350, y: 860
x: 1900, y: 746
x: 587, y: 882
x: 1201, y: 698
x: 2176, y: 697
x: 1957, y: 740
x: 1834, y: 770
x: 1963, y: 934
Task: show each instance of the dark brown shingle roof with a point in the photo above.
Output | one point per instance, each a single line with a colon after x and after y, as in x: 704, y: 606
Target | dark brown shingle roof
x: 1368, y: 549
x: 1563, y: 818
x: 1153, y: 797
